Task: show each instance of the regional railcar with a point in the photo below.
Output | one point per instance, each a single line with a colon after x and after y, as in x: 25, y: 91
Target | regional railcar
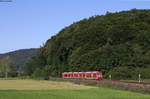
x: 82, y: 75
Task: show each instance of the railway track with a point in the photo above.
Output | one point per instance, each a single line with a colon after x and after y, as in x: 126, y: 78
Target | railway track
x: 129, y: 82
x: 141, y: 87
x: 114, y: 82
x: 110, y: 82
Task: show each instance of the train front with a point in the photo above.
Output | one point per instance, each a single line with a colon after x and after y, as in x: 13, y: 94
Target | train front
x: 99, y: 75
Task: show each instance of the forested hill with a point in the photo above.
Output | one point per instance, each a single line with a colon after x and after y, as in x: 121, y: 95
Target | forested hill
x: 19, y: 57
x: 115, y: 43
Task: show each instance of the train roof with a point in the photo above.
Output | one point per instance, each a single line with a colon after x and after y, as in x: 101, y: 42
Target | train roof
x: 84, y: 72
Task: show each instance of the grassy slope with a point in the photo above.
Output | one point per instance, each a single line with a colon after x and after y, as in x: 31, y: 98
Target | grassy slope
x: 30, y: 89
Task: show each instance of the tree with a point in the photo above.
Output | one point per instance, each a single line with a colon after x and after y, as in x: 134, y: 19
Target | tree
x: 5, y: 66
x: 111, y: 42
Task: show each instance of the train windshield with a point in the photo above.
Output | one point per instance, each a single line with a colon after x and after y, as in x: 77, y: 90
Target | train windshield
x: 99, y: 74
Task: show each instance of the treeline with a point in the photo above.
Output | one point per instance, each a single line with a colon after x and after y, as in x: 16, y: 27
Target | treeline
x: 115, y: 43
x: 6, y: 68
x: 12, y: 64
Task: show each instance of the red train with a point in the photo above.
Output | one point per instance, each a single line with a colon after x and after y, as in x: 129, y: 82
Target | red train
x: 82, y: 75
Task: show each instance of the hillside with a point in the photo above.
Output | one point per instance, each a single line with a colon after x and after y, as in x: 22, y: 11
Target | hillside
x: 19, y: 57
x: 115, y: 43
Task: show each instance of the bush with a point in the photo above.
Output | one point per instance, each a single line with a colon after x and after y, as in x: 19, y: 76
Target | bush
x: 40, y: 74
x: 145, y: 73
x: 122, y: 72
x: 125, y: 72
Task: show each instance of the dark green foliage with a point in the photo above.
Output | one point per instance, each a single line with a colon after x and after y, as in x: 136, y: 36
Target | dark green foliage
x: 107, y: 43
x: 145, y: 72
x: 40, y: 74
x: 122, y: 72
x: 126, y: 72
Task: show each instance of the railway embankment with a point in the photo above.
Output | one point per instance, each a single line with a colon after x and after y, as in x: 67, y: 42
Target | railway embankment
x: 123, y: 85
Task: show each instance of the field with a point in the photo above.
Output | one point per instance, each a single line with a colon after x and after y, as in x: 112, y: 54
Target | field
x: 31, y: 89
x: 38, y: 85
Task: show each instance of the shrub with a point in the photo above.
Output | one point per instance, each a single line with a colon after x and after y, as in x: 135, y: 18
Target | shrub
x: 122, y: 72
x: 40, y: 74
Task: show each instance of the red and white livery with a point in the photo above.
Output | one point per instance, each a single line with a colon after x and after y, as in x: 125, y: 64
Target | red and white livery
x: 82, y: 75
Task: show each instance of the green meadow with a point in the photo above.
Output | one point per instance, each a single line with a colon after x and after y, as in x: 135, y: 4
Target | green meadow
x: 32, y: 89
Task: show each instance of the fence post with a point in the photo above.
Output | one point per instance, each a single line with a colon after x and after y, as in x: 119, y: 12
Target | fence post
x: 110, y: 77
x: 139, y: 78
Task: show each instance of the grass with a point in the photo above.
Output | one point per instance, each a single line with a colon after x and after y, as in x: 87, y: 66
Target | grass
x: 96, y: 93
x: 32, y: 89
x: 38, y: 85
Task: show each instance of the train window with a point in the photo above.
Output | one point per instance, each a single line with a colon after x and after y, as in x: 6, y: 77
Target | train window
x: 65, y: 75
x: 83, y: 75
x: 76, y: 75
x: 99, y: 74
x: 94, y: 75
x: 88, y: 75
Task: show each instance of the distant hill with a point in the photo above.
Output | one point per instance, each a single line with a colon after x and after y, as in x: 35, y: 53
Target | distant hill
x: 115, y: 43
x: 19, y: 57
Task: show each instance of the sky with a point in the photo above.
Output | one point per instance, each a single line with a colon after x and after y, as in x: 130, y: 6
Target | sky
x: 30, y: 23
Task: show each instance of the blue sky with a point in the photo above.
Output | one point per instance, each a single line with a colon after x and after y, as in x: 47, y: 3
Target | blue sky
x: 29, y: 23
